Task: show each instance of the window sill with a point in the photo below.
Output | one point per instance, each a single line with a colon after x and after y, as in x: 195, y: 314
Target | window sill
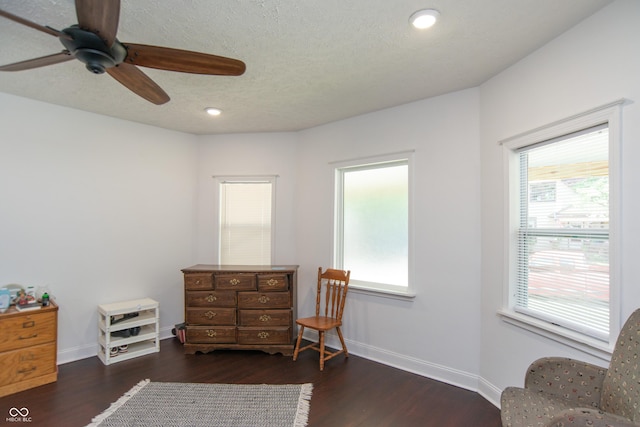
x: 591, y: 346
x: 384, y: 293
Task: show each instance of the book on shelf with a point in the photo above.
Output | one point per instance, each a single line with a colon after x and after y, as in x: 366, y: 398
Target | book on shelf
x: 29, y: 306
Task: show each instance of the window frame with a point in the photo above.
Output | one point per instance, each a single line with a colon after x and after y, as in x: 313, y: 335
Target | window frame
x: 372, y: 162
x: 611, y: 114
x: 272, y: 179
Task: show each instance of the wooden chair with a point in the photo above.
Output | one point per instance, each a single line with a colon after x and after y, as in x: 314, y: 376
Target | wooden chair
x: 328, y: 315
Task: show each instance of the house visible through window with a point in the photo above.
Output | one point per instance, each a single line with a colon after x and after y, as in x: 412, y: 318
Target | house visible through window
x: 372, y: 223
x: 563, y: 238
x: 563, y: 189
x: 246, y: 221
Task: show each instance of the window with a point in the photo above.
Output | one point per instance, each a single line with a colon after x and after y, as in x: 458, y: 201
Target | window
x: 246, y: 221
x: 372, y: 223
x: 562, y: 210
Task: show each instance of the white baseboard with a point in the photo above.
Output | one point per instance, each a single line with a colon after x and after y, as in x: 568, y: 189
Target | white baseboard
x: 420, y: 367
x: 489, y: 392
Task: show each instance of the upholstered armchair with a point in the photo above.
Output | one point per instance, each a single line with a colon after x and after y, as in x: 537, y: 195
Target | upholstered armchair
x: 561, y: 392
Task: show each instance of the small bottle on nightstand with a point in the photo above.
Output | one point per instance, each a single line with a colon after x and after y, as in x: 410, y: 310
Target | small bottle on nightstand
x: 45, y: 299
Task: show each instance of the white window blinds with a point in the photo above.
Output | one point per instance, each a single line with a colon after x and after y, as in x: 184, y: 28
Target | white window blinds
x: 246, y: 222
x: 563, y: 235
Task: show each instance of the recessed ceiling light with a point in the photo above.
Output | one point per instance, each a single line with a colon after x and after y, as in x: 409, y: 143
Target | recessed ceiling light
x: 213, y: 111
x: 424, y: 18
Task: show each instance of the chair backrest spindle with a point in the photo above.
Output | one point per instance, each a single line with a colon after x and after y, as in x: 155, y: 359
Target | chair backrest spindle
x: 336, y: 283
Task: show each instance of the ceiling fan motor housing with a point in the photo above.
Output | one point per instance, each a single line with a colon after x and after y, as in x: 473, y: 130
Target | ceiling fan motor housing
x: 91, y: 49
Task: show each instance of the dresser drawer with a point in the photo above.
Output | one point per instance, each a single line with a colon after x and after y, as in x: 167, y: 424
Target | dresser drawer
x: 211, y: 316
x: 198, y: 281
x: 27, y: 363
x: 255, y: 335
x: 264, y: 300
x: 23, y: 331
x: 211, y: 335
x: 273, y: 282
x: 235, y: 282
x: 265, y: 318
x: 210, y: 299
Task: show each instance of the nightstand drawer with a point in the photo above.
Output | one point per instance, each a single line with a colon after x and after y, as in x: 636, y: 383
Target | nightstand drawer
x: 27, y: 363
x: 27, y: 330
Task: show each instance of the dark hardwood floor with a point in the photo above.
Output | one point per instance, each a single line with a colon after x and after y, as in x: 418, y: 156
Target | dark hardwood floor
x: 349, y: 392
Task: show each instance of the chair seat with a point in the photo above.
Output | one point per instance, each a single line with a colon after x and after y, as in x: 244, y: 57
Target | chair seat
x: 521, y: 407
x: 320, y: 323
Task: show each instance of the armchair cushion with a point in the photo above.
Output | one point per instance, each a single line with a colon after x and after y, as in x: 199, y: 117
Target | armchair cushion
x: 579, y: 382
x: 553, y: 385
x: 585, y: 417
x: 521, y: 407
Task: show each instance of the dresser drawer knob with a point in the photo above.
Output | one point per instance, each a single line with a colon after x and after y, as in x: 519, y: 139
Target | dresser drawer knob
x: 211, y: 298
x: 263, y: 335
x: 29, y: 324
x: 234, y: 282
x: 263, y: 299
x: 272, y: 282
x: 211, y: 333
x: 265, y: 318
x: 198, y: 282
x: 210, y: 314
x: 26, y: 370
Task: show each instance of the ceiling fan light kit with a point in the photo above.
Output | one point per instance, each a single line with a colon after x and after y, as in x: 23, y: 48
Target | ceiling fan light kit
x: 93, y: 41
x: 425, y: 18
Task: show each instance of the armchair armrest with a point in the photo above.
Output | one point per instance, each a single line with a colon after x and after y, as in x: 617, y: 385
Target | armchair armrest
x: 589, y: 417
x: 579, y: 382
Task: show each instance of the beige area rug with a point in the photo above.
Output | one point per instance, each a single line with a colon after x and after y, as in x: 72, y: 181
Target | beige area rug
x: 212, y: 405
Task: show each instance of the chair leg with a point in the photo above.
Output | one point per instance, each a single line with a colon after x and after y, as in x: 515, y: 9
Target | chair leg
x: 297, y: 349
x: 344, y: 347
x: 321, y: 333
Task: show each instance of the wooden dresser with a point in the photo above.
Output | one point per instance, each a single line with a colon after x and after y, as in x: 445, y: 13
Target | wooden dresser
x: 28, y: 348
x: 240, y: 307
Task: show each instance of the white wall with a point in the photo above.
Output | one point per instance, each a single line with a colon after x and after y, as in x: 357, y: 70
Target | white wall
x: 594, y: 63
x: 97, y: 209
x: 246, y: 154
x: 437, y: 334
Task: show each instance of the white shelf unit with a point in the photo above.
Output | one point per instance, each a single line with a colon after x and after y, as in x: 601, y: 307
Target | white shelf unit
x: 145, y: 342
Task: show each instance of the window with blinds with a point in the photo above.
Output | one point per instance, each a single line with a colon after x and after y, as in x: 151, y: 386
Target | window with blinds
x: 562, y: 254
x: 246, y: 221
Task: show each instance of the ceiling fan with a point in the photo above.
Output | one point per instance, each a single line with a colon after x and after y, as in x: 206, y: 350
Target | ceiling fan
x: 93, y: 41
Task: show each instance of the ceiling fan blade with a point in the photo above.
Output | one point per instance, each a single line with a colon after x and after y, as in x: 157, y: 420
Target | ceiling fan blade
x: 138, y: 82
x: 184, y: 61
x: 38, y: 62
x: 100, y: 17
x: 33, y: 25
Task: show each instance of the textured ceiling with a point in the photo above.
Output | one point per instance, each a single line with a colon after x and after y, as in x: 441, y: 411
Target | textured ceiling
x: 308, y: 62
